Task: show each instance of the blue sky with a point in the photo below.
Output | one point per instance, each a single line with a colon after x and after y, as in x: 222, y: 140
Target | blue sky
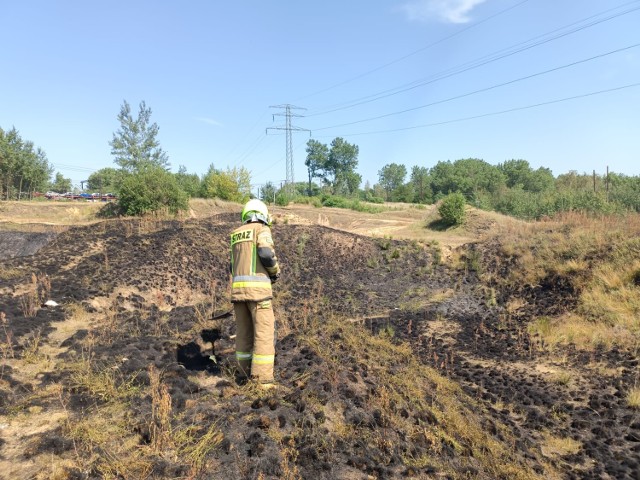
x: 210, y: 70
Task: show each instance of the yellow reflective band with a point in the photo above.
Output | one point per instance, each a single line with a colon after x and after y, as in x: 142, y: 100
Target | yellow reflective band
x: 263, y: 359
x: 263, y: 285
x: 244, y: 355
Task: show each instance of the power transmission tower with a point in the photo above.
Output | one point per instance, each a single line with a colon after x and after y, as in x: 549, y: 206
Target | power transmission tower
x: 290, y: 181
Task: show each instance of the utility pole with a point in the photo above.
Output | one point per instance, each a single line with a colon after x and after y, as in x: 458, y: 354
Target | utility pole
x: 288, y: 127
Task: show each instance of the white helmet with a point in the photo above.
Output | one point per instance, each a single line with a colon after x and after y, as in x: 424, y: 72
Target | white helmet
x: 255, y: 210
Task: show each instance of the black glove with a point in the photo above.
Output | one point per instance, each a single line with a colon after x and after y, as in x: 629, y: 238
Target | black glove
x: 274, y: 278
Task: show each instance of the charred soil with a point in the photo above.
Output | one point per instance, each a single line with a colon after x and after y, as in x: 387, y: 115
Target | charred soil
x: 389, y: 364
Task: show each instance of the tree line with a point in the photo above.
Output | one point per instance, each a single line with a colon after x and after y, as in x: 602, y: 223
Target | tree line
x: 512, y: 187
x: 24, y: 168
x: 144, y: 183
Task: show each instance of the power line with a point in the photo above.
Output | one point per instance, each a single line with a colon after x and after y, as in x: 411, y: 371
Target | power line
x: 474, y: 117
x: 73, y: 168
x: 249, y: 150
x: 241, y: 140
x: 415, y: 52
x: 280, y: 160
x: 482, y: 90
x: 484, y: 60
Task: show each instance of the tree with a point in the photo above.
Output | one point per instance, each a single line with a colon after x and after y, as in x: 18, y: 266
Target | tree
x: 143, y: 182
x: 39, y: 172
x: 391, y: 177
x: 189, y: 182
x: 316, y: 161
x: 341, y: 164
x: 469, y: 176
x: 625, y: 191
x: 519, y: 172
x: 516, y: 172
x: 540, y: 180
x: 135, y: 146
x: 24, y: 168
x: 61, y: 184
x: 335, y: 166
x: 572, y: 180
x: 234, y: 184
x: 104, y: 180
x: 421, y: 182
x: 268, y: 193
x: 404, y: 193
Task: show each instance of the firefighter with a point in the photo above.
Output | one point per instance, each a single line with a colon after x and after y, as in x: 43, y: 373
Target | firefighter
x: 254, y: 267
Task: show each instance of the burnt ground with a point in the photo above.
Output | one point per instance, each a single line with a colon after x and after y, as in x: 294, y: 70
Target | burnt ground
x: 381, y: 351
x: 21, y: 244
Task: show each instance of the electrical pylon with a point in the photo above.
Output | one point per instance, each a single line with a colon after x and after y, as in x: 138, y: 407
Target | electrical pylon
x: 288, y: 127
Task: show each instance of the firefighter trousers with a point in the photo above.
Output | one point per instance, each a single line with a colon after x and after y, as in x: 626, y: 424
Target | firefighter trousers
x: 255, y: 346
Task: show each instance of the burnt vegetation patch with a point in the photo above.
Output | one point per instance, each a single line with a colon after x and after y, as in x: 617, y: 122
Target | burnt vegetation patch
x: 390, y: 363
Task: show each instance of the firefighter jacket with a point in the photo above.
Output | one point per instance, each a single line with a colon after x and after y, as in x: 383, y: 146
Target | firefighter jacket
x: 253, y: 263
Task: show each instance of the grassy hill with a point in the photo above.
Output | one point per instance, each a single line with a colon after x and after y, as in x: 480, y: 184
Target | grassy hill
x: 407, y: 351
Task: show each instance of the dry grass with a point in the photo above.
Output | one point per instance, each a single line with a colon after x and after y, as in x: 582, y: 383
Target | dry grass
x: 106, y: 441
x: 562, y: 377
x: 6, y: 343
x: 36, y: 293
x: 202, y: 208
x: 161, y: 431
x: 103, y: 441
x: 419, y: 298
x: 574, y: 329
x: 599, y: 257
x: 10, y: 273
x: 104, y: 382
x: 633, y: 398
x: 553, y: 446
x: 409, y: 384
x: 63, y: 212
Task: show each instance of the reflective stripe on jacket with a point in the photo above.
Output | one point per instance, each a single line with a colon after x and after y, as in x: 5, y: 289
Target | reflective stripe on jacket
x: 253, y: 261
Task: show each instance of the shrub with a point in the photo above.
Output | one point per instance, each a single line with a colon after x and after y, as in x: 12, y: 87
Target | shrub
x: 334, y: 201
x: 350, y: 203
x: 304, y: 200
x: 150, y: 190
x: 452, y: 209
x: 282, y: 199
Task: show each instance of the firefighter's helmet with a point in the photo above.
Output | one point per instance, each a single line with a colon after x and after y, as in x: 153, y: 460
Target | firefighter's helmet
x: 255, y: 210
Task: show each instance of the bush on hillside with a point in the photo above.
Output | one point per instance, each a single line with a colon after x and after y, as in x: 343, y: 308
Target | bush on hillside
x: 150, y: 190
x: 305, y: 200
x: 349, y: 203
x: 452, y: 209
